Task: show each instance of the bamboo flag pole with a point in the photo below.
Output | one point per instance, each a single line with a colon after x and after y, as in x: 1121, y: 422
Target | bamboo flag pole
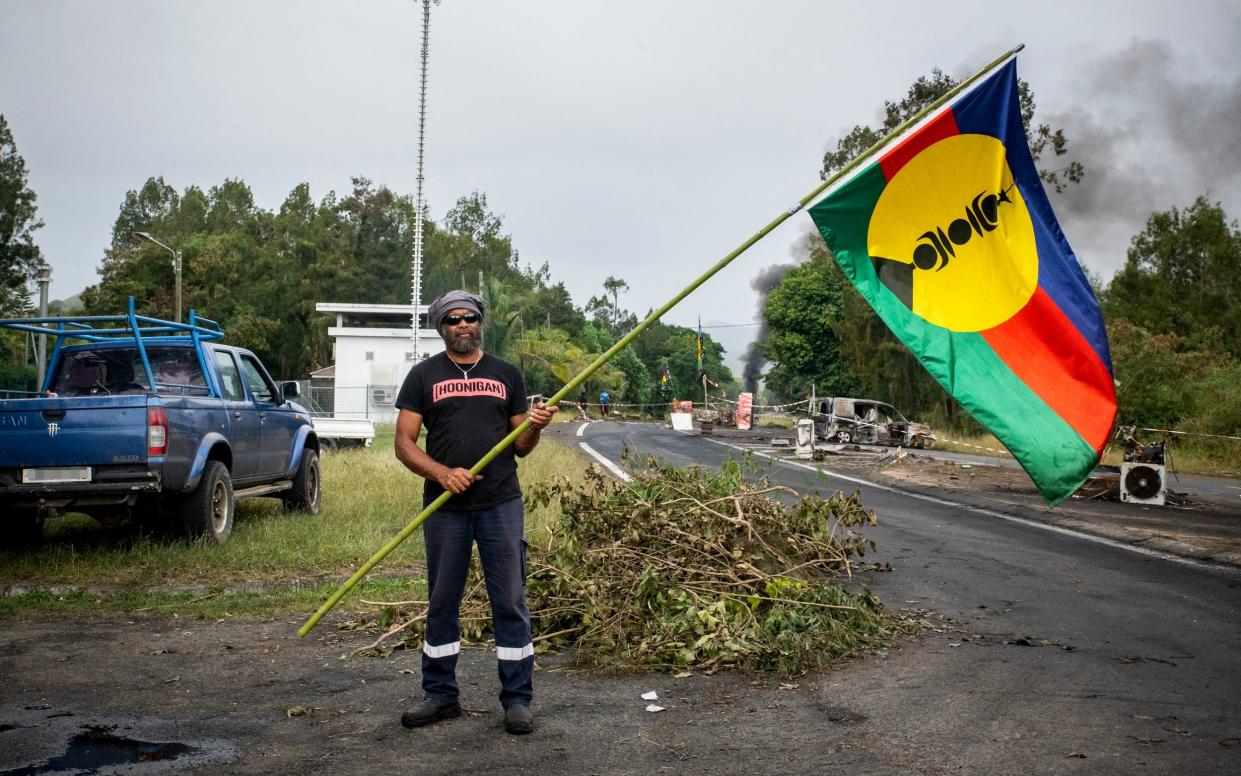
x: 607, y: 356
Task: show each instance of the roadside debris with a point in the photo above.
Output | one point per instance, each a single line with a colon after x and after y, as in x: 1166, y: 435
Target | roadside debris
x: 689, y: 569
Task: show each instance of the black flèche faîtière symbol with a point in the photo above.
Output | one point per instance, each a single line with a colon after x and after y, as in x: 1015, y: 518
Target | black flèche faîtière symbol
x: 981, y: 216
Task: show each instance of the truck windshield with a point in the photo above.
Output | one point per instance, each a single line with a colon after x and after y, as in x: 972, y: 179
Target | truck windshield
x: 109, y: 371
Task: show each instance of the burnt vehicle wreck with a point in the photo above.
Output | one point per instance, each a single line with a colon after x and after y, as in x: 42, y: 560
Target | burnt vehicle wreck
x: 865, y: 421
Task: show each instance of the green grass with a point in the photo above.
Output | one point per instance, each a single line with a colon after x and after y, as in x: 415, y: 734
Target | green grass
x: 775, y: 420
x: 272, y: 561
x: 970, y: 443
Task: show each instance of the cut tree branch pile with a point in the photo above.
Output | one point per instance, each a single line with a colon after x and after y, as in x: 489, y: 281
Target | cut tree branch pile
x: 689, y: 569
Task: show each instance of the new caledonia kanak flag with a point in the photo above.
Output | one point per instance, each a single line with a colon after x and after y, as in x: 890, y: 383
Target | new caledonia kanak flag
x: 951, y: 239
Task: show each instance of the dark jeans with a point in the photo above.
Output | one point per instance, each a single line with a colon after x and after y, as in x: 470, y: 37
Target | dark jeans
x: 449, y: 538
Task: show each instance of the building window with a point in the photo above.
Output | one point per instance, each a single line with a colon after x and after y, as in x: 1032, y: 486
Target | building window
x: 370, y: 355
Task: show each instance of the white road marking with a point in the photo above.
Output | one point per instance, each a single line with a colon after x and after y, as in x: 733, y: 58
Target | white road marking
x: 593, y: 453
x: 581, y: 430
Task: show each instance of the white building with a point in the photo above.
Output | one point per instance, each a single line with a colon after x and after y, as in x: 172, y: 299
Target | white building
x: 372, y: 350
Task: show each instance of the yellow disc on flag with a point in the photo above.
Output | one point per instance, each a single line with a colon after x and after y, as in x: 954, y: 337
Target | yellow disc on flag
x: 951, y: 236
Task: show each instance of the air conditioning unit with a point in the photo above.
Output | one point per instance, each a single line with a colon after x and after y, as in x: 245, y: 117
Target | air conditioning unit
x: 383, y: 395
x: 1142, y: 483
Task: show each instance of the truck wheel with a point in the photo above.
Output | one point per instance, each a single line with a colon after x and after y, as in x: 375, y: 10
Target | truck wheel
x: 208, y: 511
x: 25, y: 530
x: 844, y: 437
x: 307, y: 492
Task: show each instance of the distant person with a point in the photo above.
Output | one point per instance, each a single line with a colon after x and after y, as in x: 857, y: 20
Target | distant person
x: 468, y: 401
x: 604, y: 398
x: 581, y: 405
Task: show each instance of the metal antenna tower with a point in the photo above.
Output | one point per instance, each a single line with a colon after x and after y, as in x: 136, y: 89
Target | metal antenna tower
x: 415, y: 280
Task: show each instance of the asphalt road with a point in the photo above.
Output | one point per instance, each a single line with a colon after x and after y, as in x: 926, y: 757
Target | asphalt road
x: 1087, y: 650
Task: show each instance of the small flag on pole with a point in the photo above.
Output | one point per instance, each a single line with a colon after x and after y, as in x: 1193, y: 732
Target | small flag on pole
x: 951, y: 239
x: 700, y: 344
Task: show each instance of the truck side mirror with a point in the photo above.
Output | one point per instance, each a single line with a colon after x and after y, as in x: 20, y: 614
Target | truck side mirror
x: 289, y: 389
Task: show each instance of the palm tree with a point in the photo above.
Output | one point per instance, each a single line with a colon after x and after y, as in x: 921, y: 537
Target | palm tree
x: 555, y: 351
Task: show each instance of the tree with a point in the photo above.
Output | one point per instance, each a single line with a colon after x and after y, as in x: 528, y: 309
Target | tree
x: 550, y: 359
x: 19, y: 256
x: 133, y: 267
x: 471, y: 243
x: 1182, y: 275
x: 503, y: 319
x: 923, y: 92
x: 607, y: 313
x: 1142, y: 363
x: 376, y: 266
x: 802, y: 313
x: 681, y: 358
x: 614, y: 286
x: 550, y: 304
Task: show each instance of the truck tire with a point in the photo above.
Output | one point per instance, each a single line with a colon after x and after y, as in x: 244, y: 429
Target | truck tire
x: 843, y: 437
x: 307, y: 492
x: 25, y: 529
x: 208, y: 511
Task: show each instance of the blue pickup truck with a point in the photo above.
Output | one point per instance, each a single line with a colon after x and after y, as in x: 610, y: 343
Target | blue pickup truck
x: 152, y: 420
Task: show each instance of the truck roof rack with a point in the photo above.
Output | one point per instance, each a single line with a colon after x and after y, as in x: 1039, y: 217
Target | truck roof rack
x: 118, y: 328
x: 104, y: 328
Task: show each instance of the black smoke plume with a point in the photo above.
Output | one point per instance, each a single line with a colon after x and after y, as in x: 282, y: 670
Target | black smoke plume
x: 768, y: 279
x: 1154, y: 131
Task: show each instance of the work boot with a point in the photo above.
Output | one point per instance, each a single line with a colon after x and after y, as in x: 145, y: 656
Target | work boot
x: 428, y: 711
x: 518, y: 720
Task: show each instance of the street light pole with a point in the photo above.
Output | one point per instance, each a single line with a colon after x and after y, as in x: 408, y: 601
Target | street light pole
x: 45, y: 278
x: 176, y: 267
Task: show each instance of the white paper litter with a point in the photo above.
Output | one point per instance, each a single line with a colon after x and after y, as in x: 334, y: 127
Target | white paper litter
x: 653, y: 708
x: 650, y: 696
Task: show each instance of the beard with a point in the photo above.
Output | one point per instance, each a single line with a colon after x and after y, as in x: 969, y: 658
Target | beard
x: 462, y: 344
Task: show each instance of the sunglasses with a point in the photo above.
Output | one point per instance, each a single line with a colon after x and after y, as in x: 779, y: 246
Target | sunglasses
x: 453, y: 320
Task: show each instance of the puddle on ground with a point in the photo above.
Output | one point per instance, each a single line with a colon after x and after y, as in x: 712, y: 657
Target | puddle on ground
x: 88, y: 752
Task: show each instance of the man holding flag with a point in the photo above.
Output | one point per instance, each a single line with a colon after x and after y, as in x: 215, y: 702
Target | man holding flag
x: 468, y: 400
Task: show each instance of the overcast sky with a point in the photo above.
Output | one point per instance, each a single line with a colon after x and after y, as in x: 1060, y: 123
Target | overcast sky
x: 640, y: 139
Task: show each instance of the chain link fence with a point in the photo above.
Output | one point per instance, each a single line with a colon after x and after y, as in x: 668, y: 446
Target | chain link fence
x: 373, y: 402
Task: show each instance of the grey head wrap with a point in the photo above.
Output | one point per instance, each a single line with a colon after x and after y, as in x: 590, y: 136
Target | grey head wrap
x: 454, y: 300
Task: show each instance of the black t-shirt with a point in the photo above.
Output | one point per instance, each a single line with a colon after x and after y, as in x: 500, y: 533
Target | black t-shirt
x: 465, y: 416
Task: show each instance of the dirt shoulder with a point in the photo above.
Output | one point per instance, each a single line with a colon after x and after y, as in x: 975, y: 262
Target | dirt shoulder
x: 250, y: 697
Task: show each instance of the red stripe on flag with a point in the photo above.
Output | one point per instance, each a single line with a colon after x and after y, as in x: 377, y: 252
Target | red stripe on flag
x: 1047, y: 352
x: 944, y: 125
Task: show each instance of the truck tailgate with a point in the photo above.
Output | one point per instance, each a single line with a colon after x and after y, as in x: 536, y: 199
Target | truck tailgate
x: 81, y: 431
